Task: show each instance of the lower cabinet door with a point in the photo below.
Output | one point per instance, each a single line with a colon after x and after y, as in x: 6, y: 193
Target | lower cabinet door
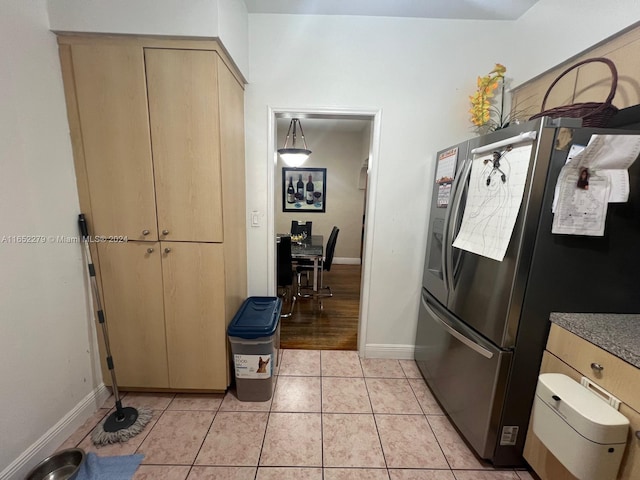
x: 131, y: 275
x: 194, y: 292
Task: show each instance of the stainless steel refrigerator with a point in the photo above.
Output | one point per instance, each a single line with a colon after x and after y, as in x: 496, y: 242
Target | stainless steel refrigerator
x: 483, y: 323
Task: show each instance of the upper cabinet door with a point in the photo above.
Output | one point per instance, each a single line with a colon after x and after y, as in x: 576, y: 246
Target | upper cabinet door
x: 185, y: 137
x: 112, y: 106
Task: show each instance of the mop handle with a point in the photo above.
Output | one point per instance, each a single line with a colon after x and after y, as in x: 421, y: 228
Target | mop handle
x: 82, y: 222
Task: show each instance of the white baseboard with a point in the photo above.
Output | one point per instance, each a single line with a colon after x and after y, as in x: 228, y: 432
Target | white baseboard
x: 346, y: 261
x: 56, y: 435
x: 398, y: 352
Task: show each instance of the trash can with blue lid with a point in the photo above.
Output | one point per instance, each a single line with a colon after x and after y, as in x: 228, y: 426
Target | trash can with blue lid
x: 254, y: 335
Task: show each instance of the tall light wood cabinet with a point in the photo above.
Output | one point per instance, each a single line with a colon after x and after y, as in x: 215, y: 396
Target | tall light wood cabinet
x: 158, y: 140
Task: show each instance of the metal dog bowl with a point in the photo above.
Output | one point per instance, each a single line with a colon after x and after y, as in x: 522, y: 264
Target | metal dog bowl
x: 62, y: 465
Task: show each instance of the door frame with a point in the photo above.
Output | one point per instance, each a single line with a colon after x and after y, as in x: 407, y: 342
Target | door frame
x: 375, y: 116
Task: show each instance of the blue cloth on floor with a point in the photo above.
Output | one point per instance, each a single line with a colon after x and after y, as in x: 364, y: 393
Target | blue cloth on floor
x: 109, y: 468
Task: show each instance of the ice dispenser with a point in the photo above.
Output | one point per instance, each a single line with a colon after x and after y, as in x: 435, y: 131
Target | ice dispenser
x: 582, y: 431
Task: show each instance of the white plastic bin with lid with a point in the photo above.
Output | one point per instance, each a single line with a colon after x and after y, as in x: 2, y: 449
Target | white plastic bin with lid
x: 581, y: 430
x: 254, y: 335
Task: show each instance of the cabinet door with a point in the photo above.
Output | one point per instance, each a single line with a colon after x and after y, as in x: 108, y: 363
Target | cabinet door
x: 112, y: 106
x: 183, y: 111
x: 132, y: 285
x: 194, y: 291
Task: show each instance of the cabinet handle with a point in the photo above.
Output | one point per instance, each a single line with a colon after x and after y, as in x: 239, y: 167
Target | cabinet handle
x: 165, y: 232
x: 597, y: 367
x: 145, y: 232
x: 167, y: 250
x: 149, y: 250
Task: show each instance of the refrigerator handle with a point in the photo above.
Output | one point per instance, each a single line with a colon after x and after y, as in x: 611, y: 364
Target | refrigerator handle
x: 452, y: 219
x: 464, y: 339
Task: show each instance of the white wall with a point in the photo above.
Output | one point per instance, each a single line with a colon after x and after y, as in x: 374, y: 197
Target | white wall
x: 47, y: 342
x: 553, y: 31
x: 233, y: 31
x: 152, y: 17
x: 340, y: 152
x: 419, y: 72
x: 224, y: 19
x: 338, y: 62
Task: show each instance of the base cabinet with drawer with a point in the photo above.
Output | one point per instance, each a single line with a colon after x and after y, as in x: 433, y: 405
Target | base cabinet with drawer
x: 157, y: 129
x: 575, y: 357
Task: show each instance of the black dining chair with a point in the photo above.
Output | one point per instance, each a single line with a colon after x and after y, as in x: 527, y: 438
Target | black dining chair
x: 284, y: 274
x: 298, y: 228
x: 305, y: 266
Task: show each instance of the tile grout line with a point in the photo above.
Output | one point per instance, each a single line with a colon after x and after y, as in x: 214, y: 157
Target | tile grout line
x: 266, y: 427
x: 77, y: 445
x: 204, y: 439
x: 375, y: 423
x: 426, y: 418
x: 137, y: 450
x: 417, y: 399
x: 439, y: 445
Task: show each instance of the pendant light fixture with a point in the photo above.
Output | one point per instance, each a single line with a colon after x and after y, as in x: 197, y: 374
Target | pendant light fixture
x: 293, y: 156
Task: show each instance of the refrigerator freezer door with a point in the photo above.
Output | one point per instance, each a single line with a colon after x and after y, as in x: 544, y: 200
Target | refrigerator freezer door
x: 435, y: 278
x: 467, y: 374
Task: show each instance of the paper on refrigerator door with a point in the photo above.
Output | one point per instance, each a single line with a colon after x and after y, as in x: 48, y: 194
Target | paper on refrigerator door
x: 618, y: 185
x: 573, y: 151
x: 491, y: 210
x: 445, y: 174
x: 609, y: 152
x: 447, y: 166
x: 580, y: 211
x: 610, y: 156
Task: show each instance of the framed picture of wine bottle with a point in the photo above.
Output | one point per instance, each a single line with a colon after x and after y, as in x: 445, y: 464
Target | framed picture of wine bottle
x: 304, y: 189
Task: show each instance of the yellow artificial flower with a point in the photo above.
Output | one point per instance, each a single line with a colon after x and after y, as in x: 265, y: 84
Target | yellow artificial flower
x: 481, y: 100
x: 499, y: 69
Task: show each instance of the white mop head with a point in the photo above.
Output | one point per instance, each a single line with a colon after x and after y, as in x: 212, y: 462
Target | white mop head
x: 102, y: 437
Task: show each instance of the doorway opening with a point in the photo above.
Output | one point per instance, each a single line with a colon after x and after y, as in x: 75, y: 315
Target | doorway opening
x: 342, y: 168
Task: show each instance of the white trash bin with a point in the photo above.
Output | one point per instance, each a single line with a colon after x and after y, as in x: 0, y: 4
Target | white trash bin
x: 586, y: 434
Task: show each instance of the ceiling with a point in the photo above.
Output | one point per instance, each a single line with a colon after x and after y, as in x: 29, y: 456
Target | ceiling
x: 450, y: 9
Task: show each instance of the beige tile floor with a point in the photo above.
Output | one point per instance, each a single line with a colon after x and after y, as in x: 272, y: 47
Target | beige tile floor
x: 332, y: 416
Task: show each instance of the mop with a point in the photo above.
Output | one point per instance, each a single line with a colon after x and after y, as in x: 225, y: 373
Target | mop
x: 125, y: 422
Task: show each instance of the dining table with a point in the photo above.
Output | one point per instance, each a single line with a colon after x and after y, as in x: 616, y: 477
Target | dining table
x: 309, y: 248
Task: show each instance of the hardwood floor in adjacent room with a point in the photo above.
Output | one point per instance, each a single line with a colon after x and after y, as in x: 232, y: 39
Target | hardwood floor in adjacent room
x: 328, y: 323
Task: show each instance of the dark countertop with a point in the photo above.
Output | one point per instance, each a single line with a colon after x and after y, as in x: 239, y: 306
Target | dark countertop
x: 618, y: 334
